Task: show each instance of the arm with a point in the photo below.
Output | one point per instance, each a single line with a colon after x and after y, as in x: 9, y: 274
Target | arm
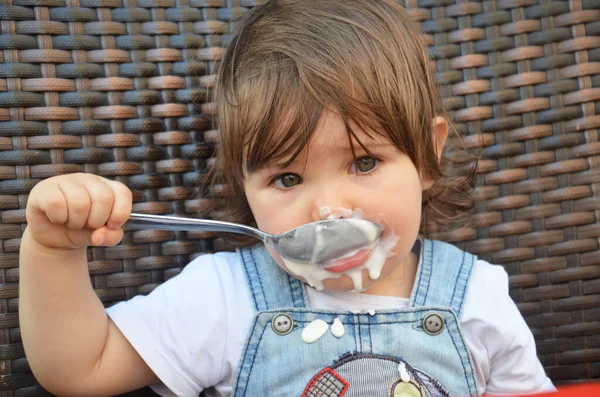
x: 71, y: 345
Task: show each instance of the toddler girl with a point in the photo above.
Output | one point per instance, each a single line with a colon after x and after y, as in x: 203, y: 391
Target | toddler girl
x: 327, y: 109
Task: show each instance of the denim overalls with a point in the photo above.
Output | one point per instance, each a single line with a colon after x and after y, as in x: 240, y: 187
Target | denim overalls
x: 414, y: 352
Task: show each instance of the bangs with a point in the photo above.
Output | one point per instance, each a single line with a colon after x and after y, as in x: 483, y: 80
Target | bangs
x: 282, y: 131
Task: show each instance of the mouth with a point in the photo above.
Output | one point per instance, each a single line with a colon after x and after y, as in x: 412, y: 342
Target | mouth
x: 345, y: 264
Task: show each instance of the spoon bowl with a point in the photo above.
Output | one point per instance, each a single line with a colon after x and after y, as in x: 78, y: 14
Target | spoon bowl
x: 315, y: 242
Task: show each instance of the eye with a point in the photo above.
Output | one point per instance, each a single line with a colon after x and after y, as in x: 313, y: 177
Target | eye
x: 287, y: 180
x: 364, y: 164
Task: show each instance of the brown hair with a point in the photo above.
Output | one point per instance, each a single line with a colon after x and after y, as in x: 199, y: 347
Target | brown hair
x: 289, y: 59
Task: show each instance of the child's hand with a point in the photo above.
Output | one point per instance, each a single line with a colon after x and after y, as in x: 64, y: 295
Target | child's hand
x: 77, y: 210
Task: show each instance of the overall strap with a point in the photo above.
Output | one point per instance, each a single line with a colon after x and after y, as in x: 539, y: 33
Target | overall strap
x: 443, y: 276
x: 270, y: 286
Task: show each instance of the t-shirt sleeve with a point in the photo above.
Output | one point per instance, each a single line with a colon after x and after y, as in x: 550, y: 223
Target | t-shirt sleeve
x: 180, y: 329
x: 502, y: 345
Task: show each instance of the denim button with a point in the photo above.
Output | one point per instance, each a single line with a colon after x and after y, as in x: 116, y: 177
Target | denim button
x: 433, y: 324
x: 282, y: 324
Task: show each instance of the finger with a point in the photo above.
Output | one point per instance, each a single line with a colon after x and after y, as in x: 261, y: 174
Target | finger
x: 78, y: 202
x: 122, y: 205
x: 79, y: 237
x: 101, y: 201
x: 48, y: 199
x: 106, y: 237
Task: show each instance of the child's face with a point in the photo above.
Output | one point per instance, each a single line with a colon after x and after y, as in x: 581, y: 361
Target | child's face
x: 386, y: 187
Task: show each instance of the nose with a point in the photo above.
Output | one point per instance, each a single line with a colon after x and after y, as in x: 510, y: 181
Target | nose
x: 329, y: 212
x: 331, y: 202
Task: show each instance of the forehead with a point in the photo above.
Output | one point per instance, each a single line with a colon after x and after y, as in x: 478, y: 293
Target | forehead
x: 336, y: 133
x: 332, y: 135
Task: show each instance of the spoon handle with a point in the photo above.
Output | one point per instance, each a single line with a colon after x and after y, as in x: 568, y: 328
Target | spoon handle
x: 163, y: 222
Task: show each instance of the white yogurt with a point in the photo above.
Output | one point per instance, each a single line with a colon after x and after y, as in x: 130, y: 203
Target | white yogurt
x: 337, y: 328
x: 314, y: 331
x: 404, y: 375
x: 371, y: 312
x: 327, y: 213
x: 315, y: 273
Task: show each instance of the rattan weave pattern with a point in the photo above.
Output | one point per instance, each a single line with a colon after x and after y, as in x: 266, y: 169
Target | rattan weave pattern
x: 119, y: 88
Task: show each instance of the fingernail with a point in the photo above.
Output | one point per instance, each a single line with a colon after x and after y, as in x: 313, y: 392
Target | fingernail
x: 100, y: 239
x: 114, y: 225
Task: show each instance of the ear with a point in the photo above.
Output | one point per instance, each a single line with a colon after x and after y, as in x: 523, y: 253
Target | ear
x: 439, y: 135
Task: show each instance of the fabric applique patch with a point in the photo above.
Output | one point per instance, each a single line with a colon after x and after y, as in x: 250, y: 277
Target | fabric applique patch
x: 326, y: 383
x: 357, y: 374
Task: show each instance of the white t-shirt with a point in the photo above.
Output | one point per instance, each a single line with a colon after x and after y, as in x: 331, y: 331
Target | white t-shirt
x: 191, y: 329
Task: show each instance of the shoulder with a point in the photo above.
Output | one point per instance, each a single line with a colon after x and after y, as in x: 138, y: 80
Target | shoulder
x: 215, y: 277
x: 218, y: 277
x: 488, y: 293
x: 483, y: 275
x: 488, y: 277
x: 220, y: 270
x: 221, y: 260
x: 487, y: 282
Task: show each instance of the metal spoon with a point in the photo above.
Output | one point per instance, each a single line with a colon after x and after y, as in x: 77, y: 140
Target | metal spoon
x: 315, y: 242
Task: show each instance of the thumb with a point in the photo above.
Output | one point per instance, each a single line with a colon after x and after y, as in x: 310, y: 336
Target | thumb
x: 106, y: 237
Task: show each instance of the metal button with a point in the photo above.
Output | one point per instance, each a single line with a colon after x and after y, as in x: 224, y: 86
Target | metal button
x: 282, y: 324
x: 433, y: 324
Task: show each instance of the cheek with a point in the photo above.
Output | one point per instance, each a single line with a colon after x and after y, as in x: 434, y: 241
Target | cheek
x: 400, y: 209
x: 406, y: 212
x: 274, y: 212
x: 398, y: 198
x: 275, y: 221
x: 406, y: 229
x: 263, y: 210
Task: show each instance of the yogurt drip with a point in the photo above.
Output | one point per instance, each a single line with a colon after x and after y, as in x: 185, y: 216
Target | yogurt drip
x: 337, y: 328
x: 404, y: 375
x: 315, y: 273
x: 314, y: 331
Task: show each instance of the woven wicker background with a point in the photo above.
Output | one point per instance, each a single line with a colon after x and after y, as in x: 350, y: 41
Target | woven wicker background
x: 119, y: 88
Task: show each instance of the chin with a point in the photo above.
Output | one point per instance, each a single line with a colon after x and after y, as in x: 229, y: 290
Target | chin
x: 342, y: 284
x: 345, y: 283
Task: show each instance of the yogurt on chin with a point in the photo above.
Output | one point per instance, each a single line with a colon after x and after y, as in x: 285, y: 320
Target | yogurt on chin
x: 375, y: 257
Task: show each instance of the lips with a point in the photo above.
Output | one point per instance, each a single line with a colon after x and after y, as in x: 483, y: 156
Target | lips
x: 345, y: 264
